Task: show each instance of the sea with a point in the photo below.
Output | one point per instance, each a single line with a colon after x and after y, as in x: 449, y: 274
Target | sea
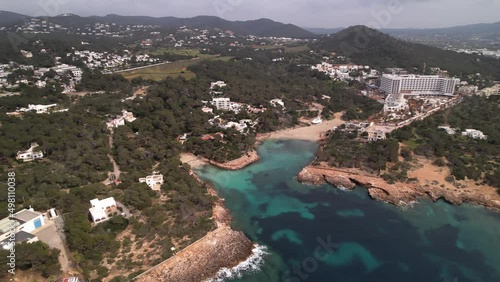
x: 321, y: 233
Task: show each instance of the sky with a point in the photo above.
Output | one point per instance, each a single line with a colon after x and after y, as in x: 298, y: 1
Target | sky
x: 304, y: 13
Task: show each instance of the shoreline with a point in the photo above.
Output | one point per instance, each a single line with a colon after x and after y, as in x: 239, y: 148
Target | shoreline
x: 398, y: 194
x: 311, y: 133
x: 220, y: 249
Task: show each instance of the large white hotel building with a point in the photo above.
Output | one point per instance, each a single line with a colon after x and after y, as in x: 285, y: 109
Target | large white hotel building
x: 418, y: 84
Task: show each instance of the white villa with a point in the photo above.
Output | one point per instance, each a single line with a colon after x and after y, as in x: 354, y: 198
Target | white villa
x: 119, y: 121
x: 449, y: 130
x: 154, y: 181
x: 23, y: 223
x: 219, y: 84
x: 376, y: 135
x: 31, y: 154
x: 276, y: 102
x: 99, y: 209
x: 39, y: 109
x: 474, y: 134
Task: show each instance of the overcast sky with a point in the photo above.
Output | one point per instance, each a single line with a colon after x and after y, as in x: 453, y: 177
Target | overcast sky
x: 310, y: 13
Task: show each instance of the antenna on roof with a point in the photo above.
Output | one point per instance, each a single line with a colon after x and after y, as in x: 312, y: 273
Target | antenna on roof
x: 31, y: 209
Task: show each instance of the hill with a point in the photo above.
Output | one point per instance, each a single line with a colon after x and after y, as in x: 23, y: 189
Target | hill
x: 260, y: 27
x: 368, y: 46
x: 321, y: 31
x: 9, y: 18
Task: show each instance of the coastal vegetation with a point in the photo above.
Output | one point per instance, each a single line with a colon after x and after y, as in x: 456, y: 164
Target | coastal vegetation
x: 467, y: 158
x: 470, y: 158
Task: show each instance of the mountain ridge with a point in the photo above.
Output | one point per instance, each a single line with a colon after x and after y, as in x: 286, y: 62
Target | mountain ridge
x: 258, y: 27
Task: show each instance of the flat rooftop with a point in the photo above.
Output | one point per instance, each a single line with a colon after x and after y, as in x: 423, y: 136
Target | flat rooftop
x: 26, y: 215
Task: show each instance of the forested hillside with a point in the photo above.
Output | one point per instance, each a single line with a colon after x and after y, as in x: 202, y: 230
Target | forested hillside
x: 368, y: 46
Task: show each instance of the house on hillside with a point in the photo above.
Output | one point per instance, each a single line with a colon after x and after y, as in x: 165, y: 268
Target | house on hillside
x: 31, y: 154
x: 100, y: 208
x: 154, y: 181
x: 474, y: 134
x: 276, y: 102
x: 218, y: 84
x: 19, y: 228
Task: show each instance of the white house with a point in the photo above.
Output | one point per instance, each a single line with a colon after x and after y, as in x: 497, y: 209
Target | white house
x: 23, y: 223
x: 219, y: 84
x: 154, y: 181
x: 31, y: 154
x: 119, y: 121
x: 39, y: 109
x: 276, y: 102
x: 449, y: 130
x: 475, y: 134
x: 376, y: 135
x: 207, y: 110
x: 99, y: 208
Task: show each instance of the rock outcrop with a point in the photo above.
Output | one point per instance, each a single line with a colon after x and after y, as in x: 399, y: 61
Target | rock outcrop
x: 246, y: 160
x: 398, y: 194
x: 202, y: 260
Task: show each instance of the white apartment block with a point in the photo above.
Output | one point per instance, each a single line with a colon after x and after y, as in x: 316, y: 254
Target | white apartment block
x: 418, y: 84
x: 222, y: 103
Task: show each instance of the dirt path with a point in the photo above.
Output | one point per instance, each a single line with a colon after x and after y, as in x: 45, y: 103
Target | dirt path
x: 116, y: 168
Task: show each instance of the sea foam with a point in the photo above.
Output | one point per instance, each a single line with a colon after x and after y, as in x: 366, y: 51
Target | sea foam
x: 251, y: 264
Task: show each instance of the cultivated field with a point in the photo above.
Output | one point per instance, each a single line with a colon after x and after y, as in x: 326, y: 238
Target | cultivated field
x: 174, y: 69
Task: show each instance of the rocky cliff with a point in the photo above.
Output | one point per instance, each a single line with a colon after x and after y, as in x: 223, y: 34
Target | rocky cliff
x: 398, y: 194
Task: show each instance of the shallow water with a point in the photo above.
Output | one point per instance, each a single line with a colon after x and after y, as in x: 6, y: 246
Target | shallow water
x: 326, y: 234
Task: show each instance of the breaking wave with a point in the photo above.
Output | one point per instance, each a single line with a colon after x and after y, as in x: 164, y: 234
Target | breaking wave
x: 251, y: 264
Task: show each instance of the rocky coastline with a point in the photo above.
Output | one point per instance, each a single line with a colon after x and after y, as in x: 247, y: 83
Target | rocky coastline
x: 237, y: 164
x: 222, y: 248
x: 398, y: 194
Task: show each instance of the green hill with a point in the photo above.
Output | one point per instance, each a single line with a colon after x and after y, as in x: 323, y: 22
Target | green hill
x: 368, y: 46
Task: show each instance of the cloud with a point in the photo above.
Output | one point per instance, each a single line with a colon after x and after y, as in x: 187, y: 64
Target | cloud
x: 309, y: 13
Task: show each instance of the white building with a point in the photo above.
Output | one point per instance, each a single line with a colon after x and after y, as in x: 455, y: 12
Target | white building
x: 494, y: 90
x: 475, y: 134
x: 276, y: 102
x: 39, y: 109
x: 31, y: 154
x: 449, y: 130
x: 219, y: 84
x: 27, y: 54
x: 119, y: 121
x: 23, y: 223
x: 154, y: 181
x: 395, y: 103
x: 418, y: 84
x: 222, y: 103
x: 376, y: 135
x: 99, y: 209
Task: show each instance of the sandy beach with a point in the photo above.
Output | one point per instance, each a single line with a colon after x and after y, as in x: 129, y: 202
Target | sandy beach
x: 308, y: 133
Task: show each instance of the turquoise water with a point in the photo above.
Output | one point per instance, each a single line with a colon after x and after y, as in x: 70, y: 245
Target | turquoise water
x: 326, y: 234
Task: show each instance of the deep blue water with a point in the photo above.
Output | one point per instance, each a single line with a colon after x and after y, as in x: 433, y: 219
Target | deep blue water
x: 326, y: 234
